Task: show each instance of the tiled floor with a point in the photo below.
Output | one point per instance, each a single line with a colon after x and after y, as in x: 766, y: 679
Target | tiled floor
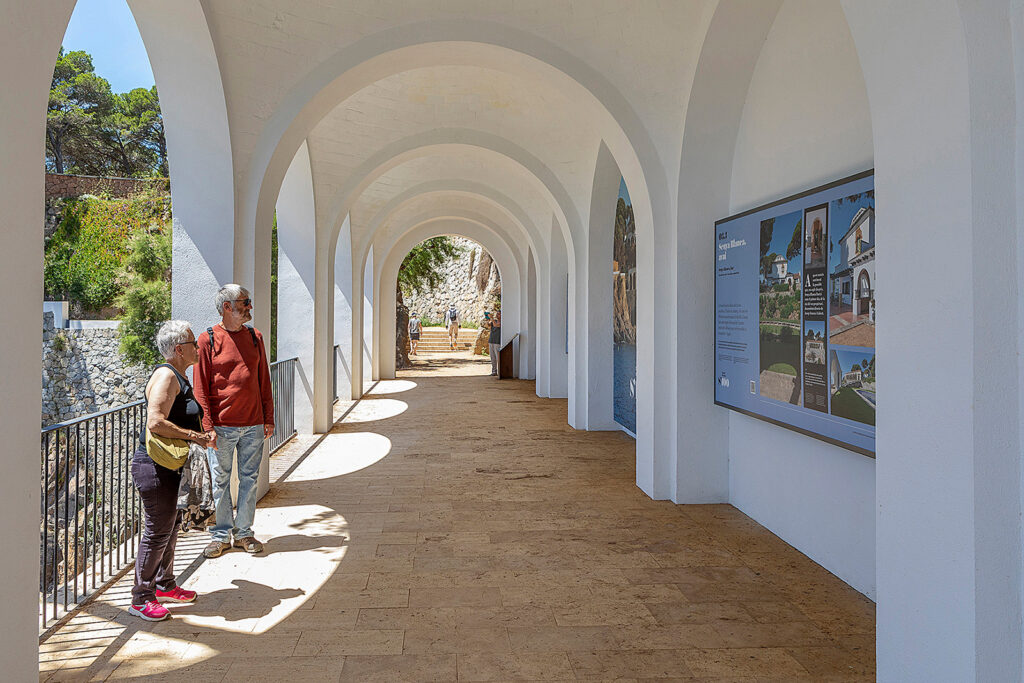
x: 454, y: 528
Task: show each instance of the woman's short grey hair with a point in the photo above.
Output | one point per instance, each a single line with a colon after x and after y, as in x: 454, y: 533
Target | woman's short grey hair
x: 229, y: 293
x: 170, y: 334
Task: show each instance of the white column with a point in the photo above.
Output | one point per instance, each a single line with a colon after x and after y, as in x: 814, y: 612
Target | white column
x: 600, y: 242
x: 30, y: 36
x: 343, y: 307
x: 296, y: 273
x: 558, y: 317
x: 366, y: 338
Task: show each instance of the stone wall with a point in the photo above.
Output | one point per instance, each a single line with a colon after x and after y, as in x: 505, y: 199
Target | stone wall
x: 58, y: 185
x: 84, y: 373
x: 460, y: 285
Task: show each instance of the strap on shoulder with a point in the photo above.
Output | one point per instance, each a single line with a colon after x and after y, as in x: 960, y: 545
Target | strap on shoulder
x: 252, y: 333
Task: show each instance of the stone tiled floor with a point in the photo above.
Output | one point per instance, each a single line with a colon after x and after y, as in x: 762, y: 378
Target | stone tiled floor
x: 456, y: 529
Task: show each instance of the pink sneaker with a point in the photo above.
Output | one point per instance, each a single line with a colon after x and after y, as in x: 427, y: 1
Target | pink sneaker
x: 176, y: 594
x: 151, y: 611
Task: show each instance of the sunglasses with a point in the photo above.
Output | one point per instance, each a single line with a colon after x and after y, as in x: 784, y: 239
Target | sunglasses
x: 193, y: 343
x: 246, y: 302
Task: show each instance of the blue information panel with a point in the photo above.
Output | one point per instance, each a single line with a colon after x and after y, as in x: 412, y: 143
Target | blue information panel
x: 795, y: 313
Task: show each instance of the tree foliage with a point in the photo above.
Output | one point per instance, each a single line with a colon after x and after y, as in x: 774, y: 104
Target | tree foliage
x: 146, y: 297
x: 92, y: 131
x: 422, y: 268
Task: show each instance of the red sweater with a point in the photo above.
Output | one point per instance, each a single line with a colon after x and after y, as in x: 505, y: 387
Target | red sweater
x: 233, y: 383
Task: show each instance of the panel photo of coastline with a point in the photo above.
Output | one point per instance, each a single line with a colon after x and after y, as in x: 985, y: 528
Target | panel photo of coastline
x: 852, y: 383
x: 779, y: 308
x: 851, y: 284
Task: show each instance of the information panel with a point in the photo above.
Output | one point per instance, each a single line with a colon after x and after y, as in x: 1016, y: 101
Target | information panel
x: 795, y: 313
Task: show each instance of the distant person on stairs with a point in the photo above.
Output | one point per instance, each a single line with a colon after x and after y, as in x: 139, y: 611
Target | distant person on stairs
x: 494, y: 341
x: 451, y: 322
x: 414, y: 331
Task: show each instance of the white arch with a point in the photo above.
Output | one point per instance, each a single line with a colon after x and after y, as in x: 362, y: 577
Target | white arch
x: 499, y: 46
x: 940, y: 90
x: 30, y: 36
x: 510, y: 267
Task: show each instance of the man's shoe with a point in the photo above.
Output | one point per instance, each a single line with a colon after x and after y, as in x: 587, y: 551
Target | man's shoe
x: 215, y: 549
x: 151, y: 611
x: 176, y: 594
x: 249, y: 544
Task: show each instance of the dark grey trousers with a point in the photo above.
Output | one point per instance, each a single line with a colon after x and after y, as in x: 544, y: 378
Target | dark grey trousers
x: 154, y: 565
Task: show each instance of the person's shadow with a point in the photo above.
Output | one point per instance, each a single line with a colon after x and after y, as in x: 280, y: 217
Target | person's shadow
x: 247, y: 600
x: 294, y: 543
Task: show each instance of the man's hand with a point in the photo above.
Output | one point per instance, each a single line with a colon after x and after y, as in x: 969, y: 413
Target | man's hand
x: 212, y: 436
x: 268, y: 431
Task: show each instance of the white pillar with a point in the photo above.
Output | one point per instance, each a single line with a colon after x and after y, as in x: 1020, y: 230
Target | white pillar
x: 600, y: 252
x: 558, y: 316
x: 296, y: 273
x: 30, y: 36
x: 343, y: 308
x: 367, y: 335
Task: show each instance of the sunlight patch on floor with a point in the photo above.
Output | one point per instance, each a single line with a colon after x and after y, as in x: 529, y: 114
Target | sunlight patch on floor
x: 377, y: 409
x: 393, y: 386
x: 341, y: 454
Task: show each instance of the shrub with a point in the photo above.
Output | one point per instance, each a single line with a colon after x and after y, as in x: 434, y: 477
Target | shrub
x: 146, y: 299
x: 87, y: 252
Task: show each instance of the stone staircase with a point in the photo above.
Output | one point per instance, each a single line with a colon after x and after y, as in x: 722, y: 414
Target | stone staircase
x: 435, y: 339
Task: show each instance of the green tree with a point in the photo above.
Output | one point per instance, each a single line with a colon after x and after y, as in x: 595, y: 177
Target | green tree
x: 767, y: 229
x: 131, y: 136
x: 420, y: 270
x: 93, y: 131
x: 146, y: 299
x: 794, y: 242
x: 78, y: 99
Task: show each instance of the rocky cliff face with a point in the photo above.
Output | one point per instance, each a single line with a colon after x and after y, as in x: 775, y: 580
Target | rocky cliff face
x: 471, y: 282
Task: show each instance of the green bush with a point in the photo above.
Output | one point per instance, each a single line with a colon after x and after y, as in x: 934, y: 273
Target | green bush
x: 146, y: 299
x: 87, y: 251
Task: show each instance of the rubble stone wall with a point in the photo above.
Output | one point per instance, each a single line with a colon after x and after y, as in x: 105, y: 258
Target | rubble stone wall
x: 84, y: 373
x: 459, y: 285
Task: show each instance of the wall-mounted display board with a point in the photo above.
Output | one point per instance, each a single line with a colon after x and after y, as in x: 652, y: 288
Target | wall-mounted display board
x: 795, y: 312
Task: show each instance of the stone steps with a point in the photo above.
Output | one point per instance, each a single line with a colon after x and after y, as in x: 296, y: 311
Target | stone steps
x: 435, y: 340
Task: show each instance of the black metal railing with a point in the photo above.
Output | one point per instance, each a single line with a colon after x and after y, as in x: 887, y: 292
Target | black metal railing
x: 337, y: 351
x: 282, y: 381
x: 91, y: 515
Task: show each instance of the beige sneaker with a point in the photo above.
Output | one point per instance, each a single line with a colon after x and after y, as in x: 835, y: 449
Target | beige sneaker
x: 215, y: 549
x: 249, y: 544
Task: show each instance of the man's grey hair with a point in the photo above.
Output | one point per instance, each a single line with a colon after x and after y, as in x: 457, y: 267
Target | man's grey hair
x: 170, y: 334
x: 229, y: 293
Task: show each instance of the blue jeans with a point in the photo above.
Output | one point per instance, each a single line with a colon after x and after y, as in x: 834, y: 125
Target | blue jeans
x: 249, y: 441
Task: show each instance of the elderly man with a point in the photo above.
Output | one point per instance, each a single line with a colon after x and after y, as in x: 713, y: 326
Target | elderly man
x: 233, y: 387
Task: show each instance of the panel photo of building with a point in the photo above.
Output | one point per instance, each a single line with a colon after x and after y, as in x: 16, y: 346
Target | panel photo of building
x: 779, y: 307
x: 852, y: 278
x: 852, y: 384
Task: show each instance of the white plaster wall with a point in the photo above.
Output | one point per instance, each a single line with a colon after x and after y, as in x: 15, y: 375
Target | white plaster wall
x: 368, y: 316
x: 296, y: 231
x: 805, y: 122
x: 343, y: 307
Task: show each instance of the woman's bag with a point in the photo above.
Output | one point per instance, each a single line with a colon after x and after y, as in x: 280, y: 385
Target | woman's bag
x: 166, y: 451
x: 195, y: 493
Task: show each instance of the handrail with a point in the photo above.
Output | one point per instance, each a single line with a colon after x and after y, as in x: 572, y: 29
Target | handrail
x: 91, y: 516
x: 92, y: 416
x: 282, y: 383
x: 506, y: 344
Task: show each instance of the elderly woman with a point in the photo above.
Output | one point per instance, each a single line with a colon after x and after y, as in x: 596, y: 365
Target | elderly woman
x: 172, y: 411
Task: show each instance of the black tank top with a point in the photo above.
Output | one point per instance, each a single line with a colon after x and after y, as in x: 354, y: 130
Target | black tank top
x: 185, y: 411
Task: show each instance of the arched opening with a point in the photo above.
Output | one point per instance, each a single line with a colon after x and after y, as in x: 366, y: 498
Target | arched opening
x: 449, y: 291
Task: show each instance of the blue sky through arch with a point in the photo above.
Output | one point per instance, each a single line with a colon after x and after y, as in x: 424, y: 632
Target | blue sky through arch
x: 106, y: 30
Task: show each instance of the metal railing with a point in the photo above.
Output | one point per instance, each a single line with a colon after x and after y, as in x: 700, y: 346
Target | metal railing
x: 91, y: 514
x: 334, y: 376
x: 282, y: 381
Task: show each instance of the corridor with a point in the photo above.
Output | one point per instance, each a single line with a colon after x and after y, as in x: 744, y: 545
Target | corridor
x: 452, y: 527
